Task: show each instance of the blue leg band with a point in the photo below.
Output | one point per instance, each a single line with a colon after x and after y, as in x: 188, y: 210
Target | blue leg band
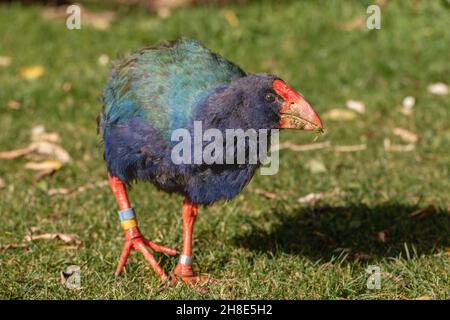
x: 127, y: 214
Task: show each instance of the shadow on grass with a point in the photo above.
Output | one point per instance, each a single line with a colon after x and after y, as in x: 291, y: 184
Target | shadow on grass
x: 322, y: 232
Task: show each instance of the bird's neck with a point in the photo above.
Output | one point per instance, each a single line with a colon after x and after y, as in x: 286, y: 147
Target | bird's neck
x: 219, y: 109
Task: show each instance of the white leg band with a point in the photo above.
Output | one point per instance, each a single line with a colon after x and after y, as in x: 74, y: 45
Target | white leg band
x: 185, y: 259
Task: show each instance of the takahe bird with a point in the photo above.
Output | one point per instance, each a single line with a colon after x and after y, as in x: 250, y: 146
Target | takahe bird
x: 160, y: 89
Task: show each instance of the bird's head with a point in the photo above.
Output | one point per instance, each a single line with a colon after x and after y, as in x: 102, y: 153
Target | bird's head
x: 264, y: 101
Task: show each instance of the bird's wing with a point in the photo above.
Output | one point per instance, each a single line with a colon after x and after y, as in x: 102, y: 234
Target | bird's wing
x: 162, y: 85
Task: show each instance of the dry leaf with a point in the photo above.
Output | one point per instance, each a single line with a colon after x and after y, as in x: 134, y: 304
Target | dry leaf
x: 32, y: 72
x: 354, y: 148
x: 12, y: 154
x: 156, y: 5
x: 164, y: 13
x: 70, y: 278
x: 440, y: 89
x: 88, y: 186
x: 324, y: 266
x: 381, y: 236
x: 422, y: 213
x: 397, y: 279
x: 103, y: 60
x: 323, y: 236
x: 37, y: 131
x: 357, y: 106
x: 231, y: 18
x: 66, y: 191
x: 66, y: 238
x: 315, y: 166
x: 54, y: 13
x: 99, y: 20
x: 42, y: 174
x: 363, y: 256
x: 341, y: 249
x: 311, y: 198
x: 356, y: 23
x: 397, y: 147
x: 13, y: 104
x: 303, y: 147
x: 13, y: 246
x: 57, y: 215
x: 51, y: 150
x: 424, y: 298
x: 49, y: 137
x: 68, y: 247
x: 38, y: 134
x: 407, y: 105
x: 5, y: 61
x: 2, y: 183
x: 322, y: 145
x: 339, y: 115
x: 67, y: 86
x: 315, y: 197
x: 62, y: 191
x: 44, y: 165
x: 266, y: 194
x: 33, y: 229
x: 43, y: 148
x: 409, y: 102
x: 87, y: 157
x: 405, y: 135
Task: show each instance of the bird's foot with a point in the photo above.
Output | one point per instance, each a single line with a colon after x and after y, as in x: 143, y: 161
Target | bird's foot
x: 188, y: 276
x: 135, y: 240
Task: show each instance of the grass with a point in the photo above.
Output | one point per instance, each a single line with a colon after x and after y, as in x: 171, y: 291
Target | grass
x: 271, y: 248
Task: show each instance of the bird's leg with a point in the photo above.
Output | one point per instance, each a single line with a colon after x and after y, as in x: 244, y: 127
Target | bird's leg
x: 133, y: 237
x: 189, y: 213
x: 184, y: 268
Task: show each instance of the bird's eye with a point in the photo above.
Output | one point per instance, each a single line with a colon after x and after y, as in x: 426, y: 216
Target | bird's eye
x: 269, y: 97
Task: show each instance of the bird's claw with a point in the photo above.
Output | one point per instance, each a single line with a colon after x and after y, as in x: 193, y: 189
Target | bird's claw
x: 158, y: 248
x: 145, y: 247
x: 187, y: 276
x: 197, y: 282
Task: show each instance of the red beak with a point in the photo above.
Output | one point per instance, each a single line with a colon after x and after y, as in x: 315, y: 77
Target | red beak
x: 296, y: 112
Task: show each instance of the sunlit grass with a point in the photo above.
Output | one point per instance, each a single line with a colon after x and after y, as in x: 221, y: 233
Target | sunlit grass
x: 270, y: 248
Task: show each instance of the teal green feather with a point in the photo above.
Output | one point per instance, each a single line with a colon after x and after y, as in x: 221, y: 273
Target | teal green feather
x: 163, y: 85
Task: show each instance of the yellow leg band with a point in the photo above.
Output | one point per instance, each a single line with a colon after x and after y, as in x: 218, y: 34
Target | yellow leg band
x: 128, y: 224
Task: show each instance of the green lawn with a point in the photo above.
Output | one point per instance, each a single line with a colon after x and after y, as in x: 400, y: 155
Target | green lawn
x: 267, y: 248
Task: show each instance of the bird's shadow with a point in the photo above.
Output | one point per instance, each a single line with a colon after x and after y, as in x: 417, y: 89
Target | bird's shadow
x: 355, y: 232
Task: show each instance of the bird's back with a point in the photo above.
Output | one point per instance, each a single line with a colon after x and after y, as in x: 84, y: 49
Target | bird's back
x: 148, y: 95
x: 163, y: 84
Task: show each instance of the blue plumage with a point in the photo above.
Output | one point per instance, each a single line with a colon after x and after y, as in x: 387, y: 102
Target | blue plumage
x: 157, y: 90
